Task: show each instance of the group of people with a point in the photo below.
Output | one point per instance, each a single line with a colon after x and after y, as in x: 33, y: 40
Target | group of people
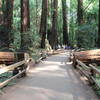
x: 63, y: 47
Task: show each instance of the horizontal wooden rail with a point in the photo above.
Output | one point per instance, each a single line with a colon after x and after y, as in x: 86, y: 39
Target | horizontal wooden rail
x: 88, y: 71
x: 97, y: 84
x: 7, y: 81
x: 11, y: 67
x: 82, y: 64
x: 16, y: 69
x: 83, y: 72
x: 97, y: 71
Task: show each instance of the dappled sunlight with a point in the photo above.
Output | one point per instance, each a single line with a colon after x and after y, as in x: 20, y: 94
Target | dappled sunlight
x: 69, y: 63
x: 52, y: 79
x: 52, y: 67
x: 63, y: 55
x: 54, y: 63
x: 47, y: 68
x: 49, y: 62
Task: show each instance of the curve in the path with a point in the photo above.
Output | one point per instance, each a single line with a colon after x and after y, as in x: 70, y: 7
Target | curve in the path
x: 52, y: 79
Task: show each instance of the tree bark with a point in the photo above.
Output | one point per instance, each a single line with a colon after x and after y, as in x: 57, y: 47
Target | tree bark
x: 6, y: 24
x: 90, y: 56
x: 43, y: 25
x: 79, y: 19
x: 9, y: 18
x: 9, y: 13
x: 80, y: 12
x: 36, y: 14
x: 25, y: 25
x: 1, y: 13
x: 25, y: 15
x: 98, y: 41
x: 54, y: 38
x: 65, y: 24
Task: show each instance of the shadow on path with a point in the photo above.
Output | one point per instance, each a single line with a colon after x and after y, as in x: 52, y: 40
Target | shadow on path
x: 52, y: 79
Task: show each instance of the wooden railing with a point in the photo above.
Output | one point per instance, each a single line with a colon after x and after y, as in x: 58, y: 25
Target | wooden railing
x: 12, y: 67
x: 20, y: 66
x: 89, y: 71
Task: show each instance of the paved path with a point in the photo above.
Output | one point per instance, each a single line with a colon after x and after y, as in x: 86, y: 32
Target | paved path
x: 52, y: 79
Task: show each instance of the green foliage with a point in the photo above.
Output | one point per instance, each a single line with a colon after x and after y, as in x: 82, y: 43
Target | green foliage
x: 17, y: 40
x: 86, y: 35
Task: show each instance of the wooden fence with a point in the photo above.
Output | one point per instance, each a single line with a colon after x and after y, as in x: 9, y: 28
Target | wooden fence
x: 89, y: 71
x: 21, y: 67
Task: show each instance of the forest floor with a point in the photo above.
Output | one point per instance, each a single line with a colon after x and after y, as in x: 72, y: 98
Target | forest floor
x: 51, y: 79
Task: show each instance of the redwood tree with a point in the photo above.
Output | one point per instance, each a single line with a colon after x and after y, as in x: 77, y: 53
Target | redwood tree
x: 98, y: 41
x: 25, y: 25
x: 65, y: 24
x: 25, y: 15
x: 1, y: 13
x: 43, y: 25
x: 79, y: 20
x: 6, y: 24
x: 54, y: 38
x: 80, y: 12
x: 8, y: 19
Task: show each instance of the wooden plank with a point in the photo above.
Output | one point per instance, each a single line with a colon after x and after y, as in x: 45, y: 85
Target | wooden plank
x: 7, y: 81
x: 95, y: 69
x: 11, y: 67
x: 82, y: 64
x: 93, y: 79
x: 83, y: 72
x: 88, y: 56
x: 6, y: 55
x: 11, y: 57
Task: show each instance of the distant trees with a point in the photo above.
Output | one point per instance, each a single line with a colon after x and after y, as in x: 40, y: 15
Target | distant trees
x: 51, y: 23
x: 43, y: 24
x: 65, y: 24
x: 52, y: 33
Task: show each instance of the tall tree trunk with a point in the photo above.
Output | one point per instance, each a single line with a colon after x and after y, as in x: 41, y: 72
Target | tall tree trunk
x: 65, y: 24
x: 25, y: 25
x: 50, y: 7
x: 36, y: 16
x: 43, y: 25
x: 9, y: 18
x: 54, y: 38
x: 79, y: 20
x: 80, y: 12
x: 6, y: 24
x: 1, y: 12
x: 98, y: 41
x: 25, y: 16
x: 9, y: 13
